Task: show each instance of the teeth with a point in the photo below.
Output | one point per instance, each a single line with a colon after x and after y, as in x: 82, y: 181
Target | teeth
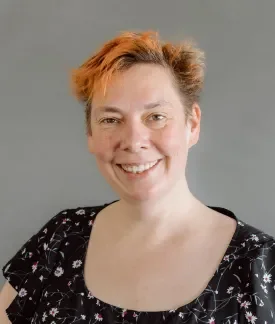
x: 138, y: 168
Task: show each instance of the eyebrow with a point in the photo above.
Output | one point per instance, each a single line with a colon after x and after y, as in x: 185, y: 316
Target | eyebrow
x: 147, y: 106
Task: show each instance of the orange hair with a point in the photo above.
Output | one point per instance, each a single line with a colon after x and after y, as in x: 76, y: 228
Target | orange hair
x: 184, y: 60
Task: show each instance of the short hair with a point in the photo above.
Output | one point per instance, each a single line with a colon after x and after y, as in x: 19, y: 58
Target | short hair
x: 184, y: 60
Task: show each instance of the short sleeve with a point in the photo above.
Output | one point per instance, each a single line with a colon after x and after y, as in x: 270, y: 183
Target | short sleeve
x: 259, y: 302
x: 28, y: 270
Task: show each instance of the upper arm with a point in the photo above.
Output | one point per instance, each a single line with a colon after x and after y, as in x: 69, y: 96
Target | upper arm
x: 260, y: 289
x: 27, y: 272
x: 7, y: 295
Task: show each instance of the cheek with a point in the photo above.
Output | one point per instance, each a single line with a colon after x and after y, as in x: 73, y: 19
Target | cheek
x: 172, y: 140
x: 103, y: 146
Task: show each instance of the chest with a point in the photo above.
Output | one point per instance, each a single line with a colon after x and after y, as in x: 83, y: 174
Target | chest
x: 152, y: 279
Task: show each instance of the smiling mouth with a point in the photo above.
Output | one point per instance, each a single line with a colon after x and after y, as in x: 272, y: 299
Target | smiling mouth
x: 138, y: 168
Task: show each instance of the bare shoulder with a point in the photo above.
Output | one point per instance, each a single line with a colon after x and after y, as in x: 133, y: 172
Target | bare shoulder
x: 7, y: 295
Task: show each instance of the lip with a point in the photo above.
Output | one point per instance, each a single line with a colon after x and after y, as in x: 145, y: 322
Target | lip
x: 143, y: 174
x: 138, y: 163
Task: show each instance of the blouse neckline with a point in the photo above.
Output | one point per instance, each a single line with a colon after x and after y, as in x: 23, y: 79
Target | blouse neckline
x: 182, y: 308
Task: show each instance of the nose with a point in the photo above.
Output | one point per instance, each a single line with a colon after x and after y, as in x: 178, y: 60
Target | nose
x: 134, y: 137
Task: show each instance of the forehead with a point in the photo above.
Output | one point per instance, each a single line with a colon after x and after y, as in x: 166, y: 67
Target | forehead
x: 140, y: 85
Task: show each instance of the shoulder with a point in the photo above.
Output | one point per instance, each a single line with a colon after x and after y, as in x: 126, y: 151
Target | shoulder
x: 255, y: 260
x: 69, y: 220
x: 250, y: 243
x: 252, y: 252
x: 65, y: 219
x: 252, y: 238
x: 250, y: 257
x: 41, y: 250
x: 260, y: 248
x: 30, y: 268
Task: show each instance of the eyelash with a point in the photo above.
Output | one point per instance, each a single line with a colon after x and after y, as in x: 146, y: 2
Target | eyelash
x: 104, y: 121
x: 115, y: 121
x: 158, y: 115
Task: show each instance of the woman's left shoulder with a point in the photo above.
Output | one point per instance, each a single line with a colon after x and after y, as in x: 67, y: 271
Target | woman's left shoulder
x: 257, y: 252
x: 254, y: 268
x: 254, y: 239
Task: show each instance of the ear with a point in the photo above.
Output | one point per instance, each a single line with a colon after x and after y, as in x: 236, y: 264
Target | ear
x: 194, y: 125
x: 90, y: 140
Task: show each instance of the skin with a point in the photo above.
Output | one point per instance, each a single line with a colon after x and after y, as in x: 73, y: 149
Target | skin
x: 158, y: 236
x: 157, y: 217
x: 147, y: 122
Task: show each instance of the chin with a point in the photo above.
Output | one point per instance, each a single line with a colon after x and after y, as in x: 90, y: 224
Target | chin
x: 139, y: 196
x: 143, y: 187
x: 142, y: 194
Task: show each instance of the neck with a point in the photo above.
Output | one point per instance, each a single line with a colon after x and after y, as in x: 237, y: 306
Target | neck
x: 166, y: 214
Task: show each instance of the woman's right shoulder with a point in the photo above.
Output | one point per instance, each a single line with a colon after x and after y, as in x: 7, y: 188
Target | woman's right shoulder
x: 41, y: 251
x: 30, y: 267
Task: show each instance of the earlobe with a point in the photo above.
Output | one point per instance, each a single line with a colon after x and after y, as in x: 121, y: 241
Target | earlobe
x: 194, y: 137
x: 194, y: 130
x: 195, y: 133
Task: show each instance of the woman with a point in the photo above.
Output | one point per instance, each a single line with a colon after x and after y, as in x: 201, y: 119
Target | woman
x: 158, y: 254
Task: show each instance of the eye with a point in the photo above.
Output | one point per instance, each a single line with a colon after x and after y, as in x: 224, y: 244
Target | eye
x: 109, y: 121
x: 157, y: 117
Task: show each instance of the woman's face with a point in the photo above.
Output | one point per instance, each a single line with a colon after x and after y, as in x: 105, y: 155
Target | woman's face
x: 140, y: 137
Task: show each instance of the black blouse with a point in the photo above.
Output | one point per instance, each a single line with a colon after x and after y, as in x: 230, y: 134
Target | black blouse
x: 47, y: 273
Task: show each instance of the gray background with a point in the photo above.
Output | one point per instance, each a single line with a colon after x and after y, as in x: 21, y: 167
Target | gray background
x: 45, y: 165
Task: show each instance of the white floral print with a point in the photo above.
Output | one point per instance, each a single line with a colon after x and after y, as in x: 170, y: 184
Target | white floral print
x: 22, y: 292
x: 53, y: 312
x: 44, y: 317
x: 245, y: 304
x: 34, y: 266
x: 254, y: 238
x: 267, y: 277
x: 264, y: 288
x: 250, y: 318
x: 98, y: 317
x: 80, y: 212
x: 226, y: 258
x: 239, y: 298
x: 77, y: 263
x: 59, y: 272
x: 230, y: 289
x: 48, y: 273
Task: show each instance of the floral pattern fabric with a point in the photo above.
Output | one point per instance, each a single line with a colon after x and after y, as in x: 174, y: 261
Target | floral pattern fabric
x: 48, y: 274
